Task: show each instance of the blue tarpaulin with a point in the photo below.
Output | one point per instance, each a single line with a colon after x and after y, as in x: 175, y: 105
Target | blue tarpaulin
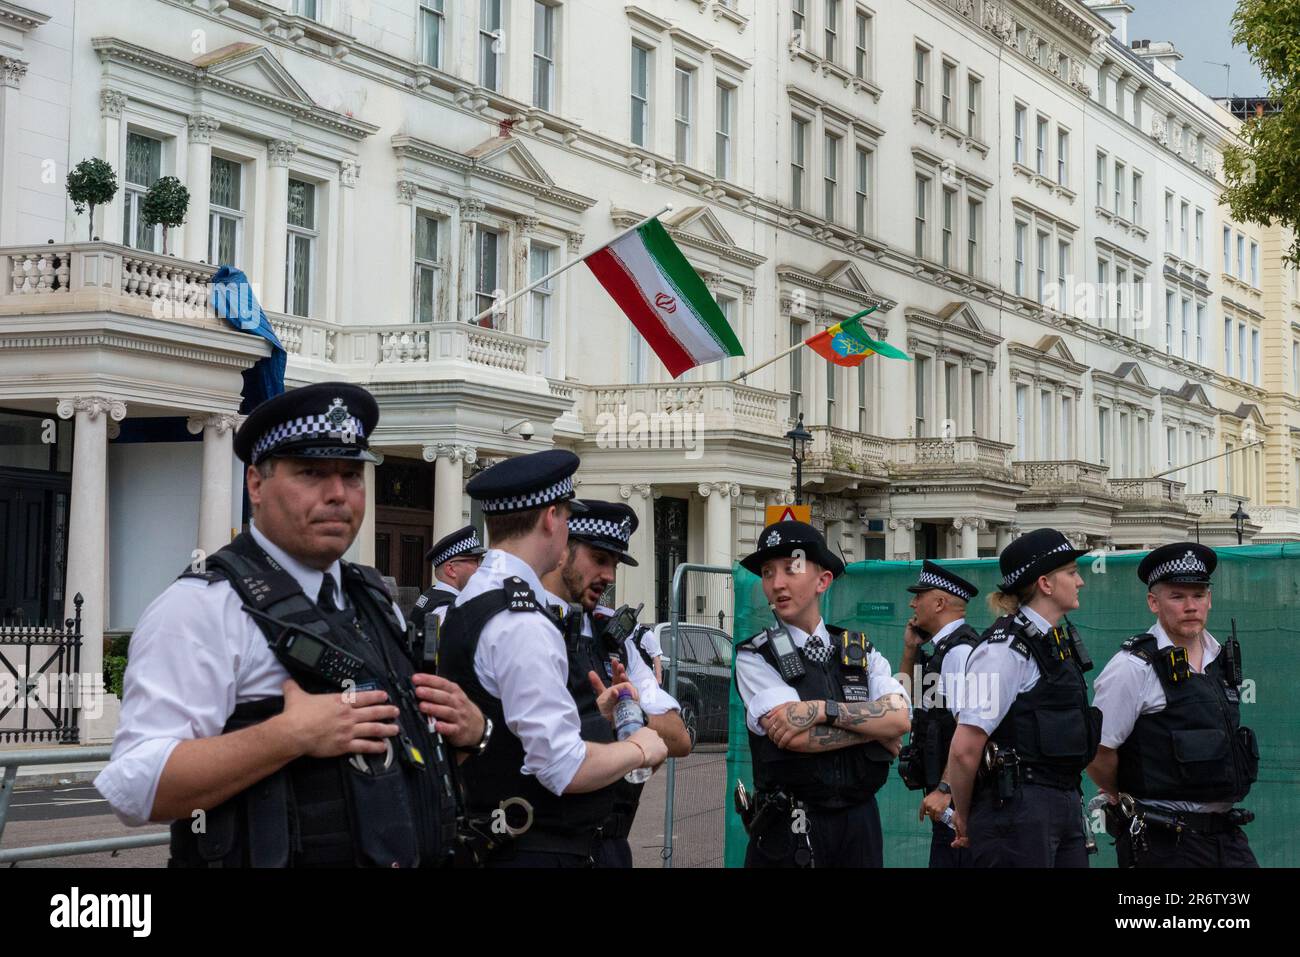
x: 233, y: 299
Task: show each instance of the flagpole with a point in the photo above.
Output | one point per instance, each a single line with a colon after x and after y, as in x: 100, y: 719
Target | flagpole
x: 767, y: 362
x: 503, y: 302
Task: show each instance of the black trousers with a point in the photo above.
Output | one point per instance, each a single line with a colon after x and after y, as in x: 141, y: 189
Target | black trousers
x: 1039, y: 827
x: 1166, y: 848
x: 843, y: 837
x: 942, y: 853
x: 613, y: 852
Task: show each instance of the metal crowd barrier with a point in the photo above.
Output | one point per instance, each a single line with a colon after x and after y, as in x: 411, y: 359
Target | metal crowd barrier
x: 11, y: 761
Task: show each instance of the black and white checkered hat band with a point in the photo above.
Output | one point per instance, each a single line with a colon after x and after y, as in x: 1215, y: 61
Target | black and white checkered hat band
x: 599, y: 528
x: 521, y: 503
x: 931, y: 580
x: 451, y: 551
x: 1015, y: 576
x: 306, y: 427
x: 1189, y: 564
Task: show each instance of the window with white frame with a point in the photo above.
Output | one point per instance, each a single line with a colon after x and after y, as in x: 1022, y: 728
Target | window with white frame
x: 1121, y: 280
x: 1101, y: 179
x: 1103, y: 290
x: 683, y: 111
x: 1040, y: 264
x: 1170, y: 306
x: 1022, y: 232
x: 225, y: 211
x: 920, y: 92
x: 1019, y: 146
x: 862, y: 44
x: 1200, y: 237
x: 973, y: 87
x: 1241, y: 257
x: 543, y: 55
x: 1241, y: 351
x: 638, y: 356
x: 433, y: 29
x: 1227, y: 346
x: 921, y: 376
x: 1022, y: 428
x: 974, y: 218
x: 798, y: 15
x: 947, y: 251
x: 1254, y: 356
x: 1136, y: 199
x: 1103, y: 435
x: 1040, y: 147
x: 796, y: 368
x: 830, y: 30
x: 489, y: 44
x: 1295, y: 365
x: 723, y: 368
x: 1062, y: 157
x: 864, y: 410
x: 1121, y: 175
x: 798, y: 149
x: 1200, y: 333
x: 951, y: 397
x: 1254, y: 264
x: 832, y: 379
x: 1183, y: 209
x: 724, y: 119
x: 1063, y: 272
x: 488, y: 250
x: 922, y: 212
x: 541, y: 261
x: 1044, y: 425
x: 977, y: 402
x: 306, y: 8
x: 1227, y: 250
x: 1139, y: 301
x: 300, y: 257
x: 831, y: 177
x: 1171, y: 446
x: 143, y: 169
x: 948, y: 93
x: 640, y: 110
x: 1066, y: 448
x: 1169, y: 220
x: 428, y: 268
x: 862, y: 191
x: 1186, y: 331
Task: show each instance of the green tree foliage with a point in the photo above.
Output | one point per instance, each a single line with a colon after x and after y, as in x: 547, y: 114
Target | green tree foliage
x: 1263, y: 177
x: 165, y: 205
x: 92, y: 183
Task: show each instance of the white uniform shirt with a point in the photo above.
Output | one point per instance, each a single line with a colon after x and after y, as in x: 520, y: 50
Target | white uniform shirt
x: 762, y: 688
x: 653, y: 699
x: 521, y: 660
x: 650, y: 642
x: 194, y: 655
x: 1128, y: 687
x: 995, y: 675
x: 952, y: 673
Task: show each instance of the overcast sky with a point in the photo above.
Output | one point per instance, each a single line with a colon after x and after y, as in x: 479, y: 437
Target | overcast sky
x: 1201, y: 30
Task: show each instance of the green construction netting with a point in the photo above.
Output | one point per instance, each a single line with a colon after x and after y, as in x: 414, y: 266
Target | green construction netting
x: 1259, y: 586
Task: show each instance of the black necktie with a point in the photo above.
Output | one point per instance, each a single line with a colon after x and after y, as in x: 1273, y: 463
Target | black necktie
x: 325, y: 599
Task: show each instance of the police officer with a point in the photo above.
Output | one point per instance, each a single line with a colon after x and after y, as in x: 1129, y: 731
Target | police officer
x: 269, y: 711
x: 455, y: 558
x: 1171, y: 734
x: 938, y: 604
x: 546, y: 779
x: 1025, y: 724
x: 598, y: 541
x: 825, y: 715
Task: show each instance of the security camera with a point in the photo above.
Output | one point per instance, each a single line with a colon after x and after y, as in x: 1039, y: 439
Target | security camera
x: 526, y: 431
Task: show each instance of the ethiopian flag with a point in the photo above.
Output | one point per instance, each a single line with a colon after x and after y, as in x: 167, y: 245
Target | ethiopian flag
x: 847, y: 343
x: 665, y: 298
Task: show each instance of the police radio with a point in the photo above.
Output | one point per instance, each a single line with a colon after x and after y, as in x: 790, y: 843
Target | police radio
x: 309, y: 652
x: 1232, y: 658
x: 1077, y: 647
x: 619, y: 626
x: 788, y: 660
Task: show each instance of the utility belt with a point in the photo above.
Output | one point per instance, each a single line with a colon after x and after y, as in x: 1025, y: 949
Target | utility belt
x: 1002, y: 773
x: 770, y: 810
x: 1133, y: 817
x: 480, y: 838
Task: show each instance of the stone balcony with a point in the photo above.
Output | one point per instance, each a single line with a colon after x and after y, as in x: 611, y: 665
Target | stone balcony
x: 1278, y: 524
x: 1064, y: 476
x: 1067, y: 494
x: 968, y: 454
x: 841, y: 459
x: 1152, y: 511
x: 1215, y: 525
x: 710, y: 406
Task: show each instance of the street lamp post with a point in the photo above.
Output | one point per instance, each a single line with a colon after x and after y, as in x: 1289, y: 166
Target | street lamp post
x: 799, y: 438
x: 1240, y: 518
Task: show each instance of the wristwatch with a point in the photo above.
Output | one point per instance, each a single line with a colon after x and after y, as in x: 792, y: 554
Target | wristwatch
x: 832, y: 712
x: 944, y: 788
x: 476, y: 750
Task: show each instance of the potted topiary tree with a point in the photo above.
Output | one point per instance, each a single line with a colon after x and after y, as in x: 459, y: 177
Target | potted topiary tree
x: 92, y: 183
x: 165, y: 205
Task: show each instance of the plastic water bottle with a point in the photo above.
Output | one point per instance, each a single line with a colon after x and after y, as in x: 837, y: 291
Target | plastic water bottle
x: 946, y: 817
x: 629, y: 719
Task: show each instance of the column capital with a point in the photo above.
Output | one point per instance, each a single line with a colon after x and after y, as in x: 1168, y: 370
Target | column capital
x: 349, y: 171
x: 13, y: 71
x: 575, y: 242
x: 202, y: 126
x: 281, y: 152
x: 472, y: 210
x: 432, y: 451
x: 111, y: 103
x: 219, y: 422
x: 92, y: 405
x: 526, y: 224
x: 724, y: 489
x: 747, y: 295
x: 639, y: 490
x: 970, y: 521
x: 903, y: 524
x: 407, y: 191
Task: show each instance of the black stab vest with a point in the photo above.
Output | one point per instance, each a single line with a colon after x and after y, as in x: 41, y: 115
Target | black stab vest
x: 561, y: 823
x: 933, y: 720
x: 832, y: 779
x: 1196, y: 748
x: 434, y: 598
x: 324, y: 812
x: 1051, y: 727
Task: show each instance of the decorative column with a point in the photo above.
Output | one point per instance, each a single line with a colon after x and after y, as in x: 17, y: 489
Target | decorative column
x: 966, y: 404
x: 215, y: 513
x: 718, y: 538
x: 904, y: 542
x: 12, y: 72
x: 87, y: 536
x: 970, y: 526
x: 279, y: 154
x: 108, y: 219
x: 471, y: 214
x: 404, y: 267
x: 638, y: 584
x: 347, y: 246
x: 366, y: 534
x: 1007, y: 534
x: 524, y: 226
x: 198, y: 178
x: 449, y: 460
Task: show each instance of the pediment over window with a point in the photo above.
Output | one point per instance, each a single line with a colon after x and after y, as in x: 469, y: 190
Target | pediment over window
x: 702, y: 222
x: 1191, y: 393
x: 1131, y: 372
x: 253, y: 66
x: 699, y: 228
x: 838, y: 278
x: 508, y: 155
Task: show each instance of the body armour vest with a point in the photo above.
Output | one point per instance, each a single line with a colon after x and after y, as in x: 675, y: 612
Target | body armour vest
x: 833, y: 779
x: 394, y: 810
x: 560, y: 823
x: 435, y: 597
x: 1196, y: 748
x: 1051, y: 727
x: 933, y: 719
x: 627, y: 796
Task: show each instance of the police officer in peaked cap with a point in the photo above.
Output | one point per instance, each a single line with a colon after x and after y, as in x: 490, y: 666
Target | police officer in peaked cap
x: 1174, y: 756
x: 269, y: 688
x: 825, y: 715
x: 455, y: 558
x: 544, y: 785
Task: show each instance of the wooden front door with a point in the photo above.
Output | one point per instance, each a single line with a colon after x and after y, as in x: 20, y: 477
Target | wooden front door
x: 33, y: 546
x: 399, y: 551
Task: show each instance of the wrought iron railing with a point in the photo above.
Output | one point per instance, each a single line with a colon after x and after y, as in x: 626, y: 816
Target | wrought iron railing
x: 44, y: 664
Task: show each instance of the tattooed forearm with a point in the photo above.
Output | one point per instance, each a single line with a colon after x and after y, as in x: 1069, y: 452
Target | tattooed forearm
x: 856, y: 715
x: 802, y: 714
x: 825, y: 738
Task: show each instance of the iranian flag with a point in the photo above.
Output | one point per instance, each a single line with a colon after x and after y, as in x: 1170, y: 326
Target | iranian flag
x: 665, y: 298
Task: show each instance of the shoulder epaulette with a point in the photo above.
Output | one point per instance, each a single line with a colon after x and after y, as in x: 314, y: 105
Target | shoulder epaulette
x: 208, y: 575
x: 520, y: 596
x: 754, y: 642
x: 1140, y: 646
x: 1021, y: 646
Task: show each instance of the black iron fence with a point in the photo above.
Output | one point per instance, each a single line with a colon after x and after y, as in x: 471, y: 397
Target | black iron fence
x: 41, y: 681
